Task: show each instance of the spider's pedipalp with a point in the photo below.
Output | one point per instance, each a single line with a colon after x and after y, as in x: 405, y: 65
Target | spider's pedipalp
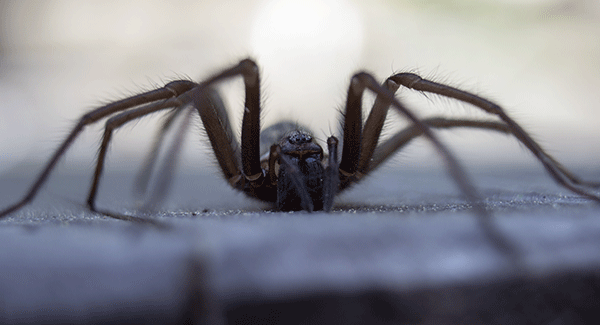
x: 331, y: 185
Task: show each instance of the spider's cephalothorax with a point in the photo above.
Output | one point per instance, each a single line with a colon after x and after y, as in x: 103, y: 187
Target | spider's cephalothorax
x: 300, y: 166
x: 294, y: 173
x: 294, y: 169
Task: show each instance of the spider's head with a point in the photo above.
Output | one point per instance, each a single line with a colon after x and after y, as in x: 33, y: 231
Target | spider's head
x: 299, y: 144
x: 300, y: 176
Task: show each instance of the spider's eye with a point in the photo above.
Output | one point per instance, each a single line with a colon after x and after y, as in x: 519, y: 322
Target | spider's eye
x: 298, y: 137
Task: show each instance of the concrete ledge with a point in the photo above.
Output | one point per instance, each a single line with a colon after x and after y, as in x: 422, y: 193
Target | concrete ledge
x: 423, y: 261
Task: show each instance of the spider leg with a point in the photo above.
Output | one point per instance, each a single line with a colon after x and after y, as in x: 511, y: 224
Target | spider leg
x: 358, y: 158
x: 218, y: 128
x: 169, y: 165
x: 397, y: 141
x: 362, y: 81
x: 168, y: 91
x: 373, y: 126
x: 143, y: 177
x: 214, y: 103
x: 251, y: 125
x: 352, y: 129
x: 353, y: 135
x: 403, y: 137
x: 114, y: 123
x: 216, y: 124
x: 559, y: 173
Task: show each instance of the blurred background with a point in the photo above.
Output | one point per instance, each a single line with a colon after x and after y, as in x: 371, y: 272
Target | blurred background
x: 539, y: 59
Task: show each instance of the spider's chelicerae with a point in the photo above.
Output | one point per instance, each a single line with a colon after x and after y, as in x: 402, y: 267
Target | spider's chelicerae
x: 294, y: 173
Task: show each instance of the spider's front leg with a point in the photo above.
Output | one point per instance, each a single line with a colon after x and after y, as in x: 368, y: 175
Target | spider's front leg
x: 240, y: 164
x: 216, y: 124
x: 352, y: 150
x: 359, y: 144
x: 213, y: 102
x: 247, y: 174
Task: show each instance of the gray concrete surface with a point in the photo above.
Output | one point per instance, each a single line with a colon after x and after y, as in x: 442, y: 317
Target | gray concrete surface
x: 403, y: 247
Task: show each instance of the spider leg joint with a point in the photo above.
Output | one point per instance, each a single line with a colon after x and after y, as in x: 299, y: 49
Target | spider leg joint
x: 406, y: 78
x: 178, y: 87
x: 359, y: 82
x: 250, y: 72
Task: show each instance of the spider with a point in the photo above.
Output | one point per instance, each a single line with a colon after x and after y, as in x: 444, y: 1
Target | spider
x: 294, y: 172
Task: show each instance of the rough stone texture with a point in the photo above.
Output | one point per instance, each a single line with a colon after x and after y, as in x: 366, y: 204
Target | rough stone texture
x: 401, y: 248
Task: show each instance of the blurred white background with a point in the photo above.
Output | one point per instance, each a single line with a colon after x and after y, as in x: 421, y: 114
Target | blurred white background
x: 539, y: 59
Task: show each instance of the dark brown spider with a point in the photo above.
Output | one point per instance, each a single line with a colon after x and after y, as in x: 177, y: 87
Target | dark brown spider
x: 296, y: 174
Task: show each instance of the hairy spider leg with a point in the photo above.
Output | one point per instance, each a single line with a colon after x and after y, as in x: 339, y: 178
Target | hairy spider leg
x: 169, y: 165
x: 142, y: 178
x: 212, y: 119
x: 214, y: 102
x: 400, y: 139
x: 169, y: 91
x: 373, y: 126
x: 362, y: 81
x: 218, y: 127
x: 351, y: 149
x: 176, y: 93
x: 560, y: 174
x: 112, y: 124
